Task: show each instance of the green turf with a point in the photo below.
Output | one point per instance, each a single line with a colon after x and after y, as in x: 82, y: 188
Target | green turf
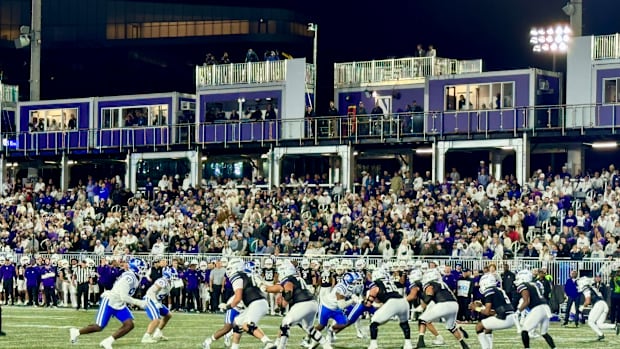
x: 49, y: 328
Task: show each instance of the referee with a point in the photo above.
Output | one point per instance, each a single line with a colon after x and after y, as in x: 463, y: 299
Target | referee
x: 81, y: 275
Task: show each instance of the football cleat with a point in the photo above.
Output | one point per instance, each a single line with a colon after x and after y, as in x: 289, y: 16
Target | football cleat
x: 159, y: 335
x: 107, y: 343
x: 148, y: 339
x: 206, y: 344
x: 438, y: 340
x: 74, y: 333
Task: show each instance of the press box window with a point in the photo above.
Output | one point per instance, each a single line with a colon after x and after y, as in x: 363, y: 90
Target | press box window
x: 610, y: 90
x: 50, y: 120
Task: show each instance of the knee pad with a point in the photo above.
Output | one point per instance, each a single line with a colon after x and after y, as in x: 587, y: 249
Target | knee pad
x: 479, y: 331
x: 421, y: 322
x: 237, y: 329
x: 284, y: 330
x: 252, y: 327
x: 453, y: 329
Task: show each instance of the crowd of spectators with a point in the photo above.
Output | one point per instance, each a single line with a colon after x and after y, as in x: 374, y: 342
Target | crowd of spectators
x: 250, y: 57
x: 396, y: 215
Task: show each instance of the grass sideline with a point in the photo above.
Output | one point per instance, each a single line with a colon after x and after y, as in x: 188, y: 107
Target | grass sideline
x: 49, y: 328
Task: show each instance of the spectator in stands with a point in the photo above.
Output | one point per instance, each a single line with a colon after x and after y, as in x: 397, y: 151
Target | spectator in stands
x: 270, y: 114
x: 419, y: 52
x: 251, y: 56
x: 225, y: 59
x: 431, y: 51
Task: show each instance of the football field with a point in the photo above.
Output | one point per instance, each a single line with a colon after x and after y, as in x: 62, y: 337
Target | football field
x: 49, y: 328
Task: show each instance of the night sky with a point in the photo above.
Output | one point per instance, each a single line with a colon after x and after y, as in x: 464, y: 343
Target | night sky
x: 495, y: 30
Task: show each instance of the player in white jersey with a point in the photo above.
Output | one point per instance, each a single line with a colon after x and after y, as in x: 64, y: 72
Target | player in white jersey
x: 114, y: 303
x: 333, y: 305
x: 157, y: 312
x: 598, y: 313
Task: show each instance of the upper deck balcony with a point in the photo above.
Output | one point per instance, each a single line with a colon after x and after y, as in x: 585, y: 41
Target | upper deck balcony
x: 606, y: 47
x: 9, y: 94
x: 400, y: 70
x: 246, y: 74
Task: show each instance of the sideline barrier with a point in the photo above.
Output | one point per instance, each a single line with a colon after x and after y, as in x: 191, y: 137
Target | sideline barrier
x: 559, y: 269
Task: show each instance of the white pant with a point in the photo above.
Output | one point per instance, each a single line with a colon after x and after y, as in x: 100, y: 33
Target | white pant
x: 69, y: 289
x: 253, y: 313
x: 493, y: 323
x: 539, y: 315
x: 446, y: 310
x: 301, y: 313
x: 393, y: 307
x: 597, y: 317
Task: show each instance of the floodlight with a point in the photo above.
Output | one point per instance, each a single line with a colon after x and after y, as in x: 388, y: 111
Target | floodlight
x: 22, y: 41
x: 24, y: 30
x: 604, y: 145
x: 424, y: 151
x: 569, y: 9
x: 553, y: 38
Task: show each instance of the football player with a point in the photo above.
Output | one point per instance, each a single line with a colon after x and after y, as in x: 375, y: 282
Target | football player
x: 392, y: 305
x: 497, y: 306
x: 114, y: 303
x: 269, y: 277
x: 302, y: 305
x: 156, y: 311
x: 540, y: 312
x: 414, y: 297
x: 444, y: 306
x: 327, y: 281
x: 598, y: 313
x: 333, y: 305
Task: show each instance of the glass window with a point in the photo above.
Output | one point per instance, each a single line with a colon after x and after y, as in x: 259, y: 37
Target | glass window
x: 610, y: 88
x: 158, y: 115
x: 53, y: 120
x: 507, y: 93
x: 110, y: 118
x: 479, y: 96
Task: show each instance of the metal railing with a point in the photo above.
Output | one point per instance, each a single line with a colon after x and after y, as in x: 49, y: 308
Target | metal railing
x: 400, y: 69
x: 240, y: 73
x: 9, y: 93
x: 559, y: 269
x: 356, y: 129
x: 606, y: 47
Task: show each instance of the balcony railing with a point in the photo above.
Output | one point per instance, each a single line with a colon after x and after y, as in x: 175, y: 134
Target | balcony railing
x: 9, y: 93
x: 606, y: 47
x: 401, y: 69
x: 354, y: 129
x: 240, y: 73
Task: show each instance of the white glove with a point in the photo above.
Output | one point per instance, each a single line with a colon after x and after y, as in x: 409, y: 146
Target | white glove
x: 222, y: 306
x: 263, y: 287
x: 355, y: 299
x: 581, y: 308
x: 419, y: 309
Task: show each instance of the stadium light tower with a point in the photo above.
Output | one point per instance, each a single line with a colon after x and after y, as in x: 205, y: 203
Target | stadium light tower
x: 553, y: 39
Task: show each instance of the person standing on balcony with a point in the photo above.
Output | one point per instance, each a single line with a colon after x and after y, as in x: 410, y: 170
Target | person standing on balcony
x: 327, y: 127
x: 225, y: 59
x: 431, y: 51
x: 309, y: 117
x: 419, y: 51
x: 270, y: 113
x: 251, y: 56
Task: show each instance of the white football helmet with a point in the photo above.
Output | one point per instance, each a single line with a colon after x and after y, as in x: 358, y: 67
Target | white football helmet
x: 305, y: 264
x: 348, y: 264
x: 224, y: 262
x: 402, y: 265
x: 286, y: 269
x: 360, y: 264
x: 315, y: 265
x: 233, y: 266
x: 415, y: 275
x: 486, y: 282
x: 63, y: 263
x: 523, y: 276
x: 431, y: 275
x: 583, y: 283
x: 379, y: 274
x: 340, y: 269
x: 25, y: 260
x: 268, y: 263
x: 327, y: 265
x: 54, y: 259
x: 203, y: 265
x: 90, y: 262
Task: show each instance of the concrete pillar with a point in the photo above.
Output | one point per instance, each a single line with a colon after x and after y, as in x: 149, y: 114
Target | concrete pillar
x: 575, y: 159
x: 4, y: 176
x: 195, y: 167
x: 132, y: 169
x: 522, y: 156
x: 202, y: 160
x: 275, y: 168
x: 64, y: 172
x: 497, y: 157
x: 128, y: 173
x: 439, y: 159
x: 347, y: 162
